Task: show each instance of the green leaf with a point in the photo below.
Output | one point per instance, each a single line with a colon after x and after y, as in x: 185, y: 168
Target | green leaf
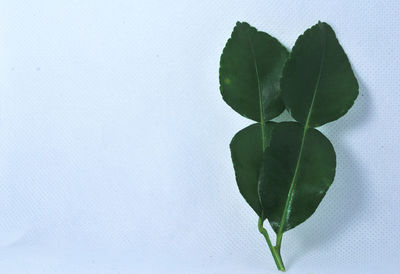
x: 297, y: 170
x: 250, y: 70
x: 247, y: 153
x: 318, y: 84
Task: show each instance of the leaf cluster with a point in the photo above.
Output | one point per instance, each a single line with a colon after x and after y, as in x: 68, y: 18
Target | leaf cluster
x: 283, y: 170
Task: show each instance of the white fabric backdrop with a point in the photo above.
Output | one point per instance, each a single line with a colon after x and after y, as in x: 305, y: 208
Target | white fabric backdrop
x: 114, y: 140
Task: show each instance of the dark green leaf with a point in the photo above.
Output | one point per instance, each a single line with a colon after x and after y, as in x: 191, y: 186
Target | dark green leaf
x: 251, y: 65
x: 318, y: 84
x: 247, y: 153
x: 298, y: 168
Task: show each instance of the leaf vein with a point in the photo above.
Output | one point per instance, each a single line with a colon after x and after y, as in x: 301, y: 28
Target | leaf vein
x: 289, y: 198
x: 253, y: 54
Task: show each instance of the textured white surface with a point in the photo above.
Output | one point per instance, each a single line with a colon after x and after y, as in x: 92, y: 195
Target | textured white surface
x: 114, y: 140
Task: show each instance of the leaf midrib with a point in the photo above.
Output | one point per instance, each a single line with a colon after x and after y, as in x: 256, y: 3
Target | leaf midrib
x: 289, y: 199
x: 253, y: 54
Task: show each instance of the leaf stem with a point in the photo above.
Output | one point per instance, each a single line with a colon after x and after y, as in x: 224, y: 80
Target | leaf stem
x: 306, y: 127
x: 275, y: 250
x: 276, y: 254
x: 278, y: 240
x: 289, y: 199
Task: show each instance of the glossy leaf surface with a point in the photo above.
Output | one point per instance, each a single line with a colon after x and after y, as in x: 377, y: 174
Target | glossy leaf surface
x: 318, y: 84
x: 246, y: 152
x: 250, y: 70
x: 297, y: 170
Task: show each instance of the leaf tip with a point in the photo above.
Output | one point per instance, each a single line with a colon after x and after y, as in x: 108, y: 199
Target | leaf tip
x: 242, y: 25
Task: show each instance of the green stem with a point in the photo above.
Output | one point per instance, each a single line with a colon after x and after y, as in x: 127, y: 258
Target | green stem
x: 276, y: 251
x: 306, y: 127
x: 279, y: 240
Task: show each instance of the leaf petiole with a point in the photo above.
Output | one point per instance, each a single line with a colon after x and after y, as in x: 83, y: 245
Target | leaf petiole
x: 275, y: 250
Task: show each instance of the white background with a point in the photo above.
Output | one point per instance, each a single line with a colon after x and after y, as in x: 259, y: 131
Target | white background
x: 114, y: 139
